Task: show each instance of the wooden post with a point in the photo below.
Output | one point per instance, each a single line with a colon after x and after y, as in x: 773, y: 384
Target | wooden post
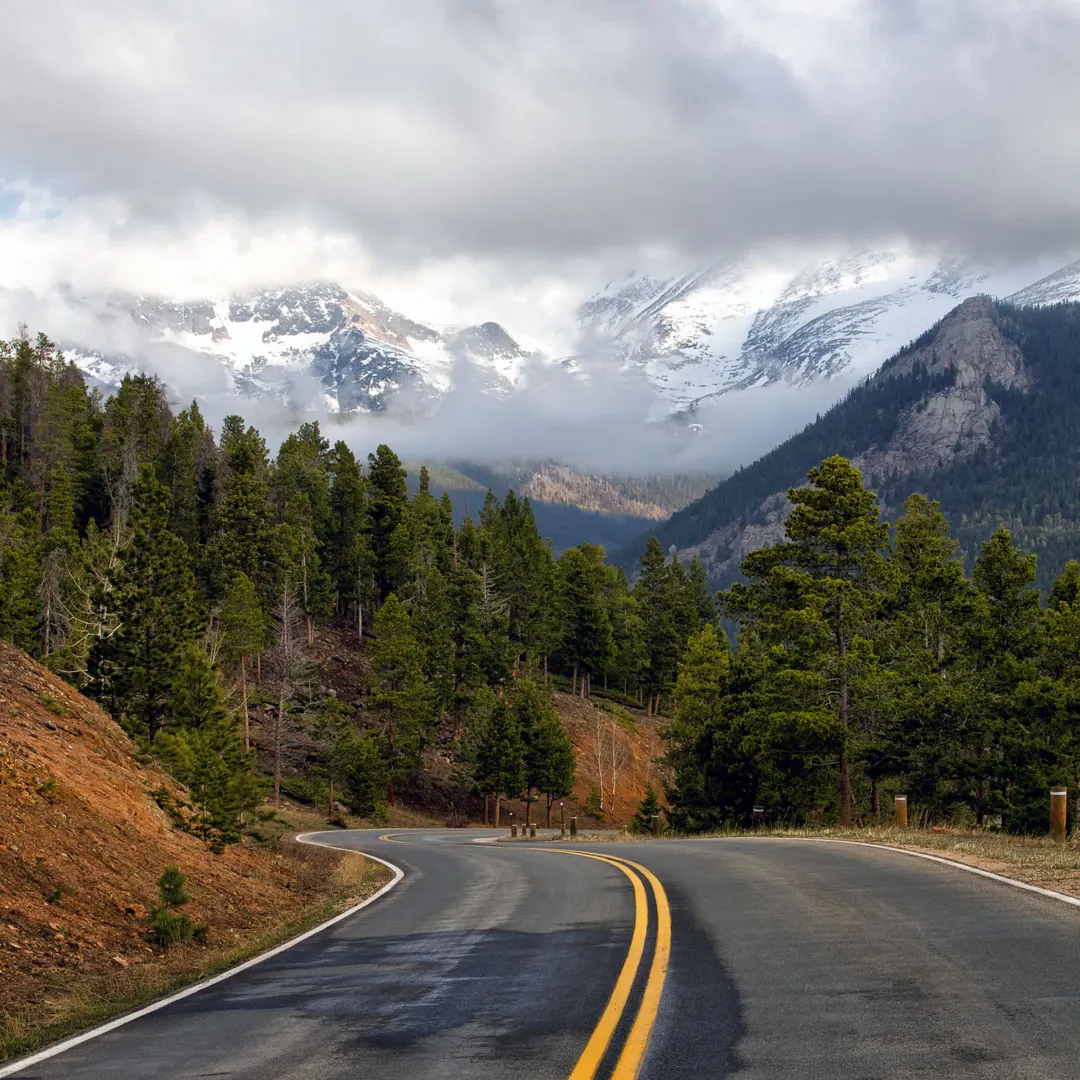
x: 900, y: 811
x: 562, y: 819
x: 1059, y: 798
x: 532, y: 831
x: 513, y: 830
x: 573, y: 826
x: 656, y: 824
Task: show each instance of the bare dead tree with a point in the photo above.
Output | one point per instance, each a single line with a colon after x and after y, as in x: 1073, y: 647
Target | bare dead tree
x: 620, y: 755
x: 599, y: 750
x: 288, y: 664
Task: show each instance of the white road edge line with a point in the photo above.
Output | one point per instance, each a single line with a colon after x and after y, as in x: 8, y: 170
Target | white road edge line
x: 1063, y: 897
x: 120, y: 1021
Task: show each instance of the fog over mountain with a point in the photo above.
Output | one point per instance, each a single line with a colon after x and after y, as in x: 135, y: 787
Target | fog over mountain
x: 568, y: 230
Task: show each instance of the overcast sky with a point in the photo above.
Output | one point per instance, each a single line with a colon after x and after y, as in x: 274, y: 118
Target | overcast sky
x: 493, y: 158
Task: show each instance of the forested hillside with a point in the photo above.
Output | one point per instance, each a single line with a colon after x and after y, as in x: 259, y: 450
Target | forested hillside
x: 867, y: 668
x: 983, y: 410
x: 179, y: 576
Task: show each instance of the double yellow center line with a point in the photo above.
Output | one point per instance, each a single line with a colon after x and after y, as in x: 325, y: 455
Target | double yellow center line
x: 637, y: 1041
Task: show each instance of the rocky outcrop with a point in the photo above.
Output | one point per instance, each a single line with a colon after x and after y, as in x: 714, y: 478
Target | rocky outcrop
x: 950, y: 423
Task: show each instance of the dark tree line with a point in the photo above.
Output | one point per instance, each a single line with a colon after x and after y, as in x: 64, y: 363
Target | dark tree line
x: 1028, y: 478
x: 868, y: 663
x: 178, y: 575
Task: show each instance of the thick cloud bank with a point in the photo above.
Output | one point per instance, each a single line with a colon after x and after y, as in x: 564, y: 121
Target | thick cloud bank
x: 546, y: 131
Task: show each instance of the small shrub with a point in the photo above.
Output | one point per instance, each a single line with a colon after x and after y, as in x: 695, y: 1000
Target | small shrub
x: 47, y: 788
x: 57, y: 708
x: 168, y: 925
x: 592, y: 803
x: 55, y: 896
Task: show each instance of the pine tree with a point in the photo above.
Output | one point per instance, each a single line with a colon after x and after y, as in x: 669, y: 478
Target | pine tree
x: 243, y: 628
x: 348, y: 551
x: 648, y: 809
x: 361, y: 764
x: 168, y: 925
x: 661, y: 623
x: 548, y: 753
x: 587, y: 641
x: 400, y: 692
x: 712, y: 744
x: 818, y: 592
x: 391, y: 542
x: 155, y: 595
x: 500, y: 756
x: 203, y: 751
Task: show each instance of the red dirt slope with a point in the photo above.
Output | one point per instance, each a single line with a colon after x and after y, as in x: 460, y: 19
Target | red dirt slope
x: 83, y: 842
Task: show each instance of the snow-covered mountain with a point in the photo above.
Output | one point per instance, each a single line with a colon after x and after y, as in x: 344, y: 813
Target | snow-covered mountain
x: 317, y: 344
x: 729, y: 326
x: 735, y: 325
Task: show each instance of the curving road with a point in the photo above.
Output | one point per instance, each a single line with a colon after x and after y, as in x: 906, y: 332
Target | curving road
x: 788, y: 959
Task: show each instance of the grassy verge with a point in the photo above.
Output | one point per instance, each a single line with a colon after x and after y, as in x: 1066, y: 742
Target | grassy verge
x: 1033, y: 860
x: 93, y: 998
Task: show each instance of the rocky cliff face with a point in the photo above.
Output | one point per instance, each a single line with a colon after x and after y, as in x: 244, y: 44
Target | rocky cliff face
x: 969, y: 355
x: 736, y: 325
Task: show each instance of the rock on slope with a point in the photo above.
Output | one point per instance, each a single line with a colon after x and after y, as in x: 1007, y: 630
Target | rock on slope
x: 83, y: 842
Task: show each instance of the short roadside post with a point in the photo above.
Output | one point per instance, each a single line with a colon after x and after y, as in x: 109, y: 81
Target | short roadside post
x: 757, y: 818
x: 1059, y: 797
x: 513, y: 827
x: 562, y: 819
x: 656, y: 824
x: 532, y: 831
x: 573, y: 826
x: 900, y: 811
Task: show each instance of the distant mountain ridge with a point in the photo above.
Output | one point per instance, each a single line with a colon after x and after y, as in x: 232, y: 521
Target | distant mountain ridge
x: 740, y: 324
x: 982, y: 412
x: 316, y: 346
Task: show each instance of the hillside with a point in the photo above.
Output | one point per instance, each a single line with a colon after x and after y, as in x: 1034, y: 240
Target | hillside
x: 980, y: 412
x: 84, y: 838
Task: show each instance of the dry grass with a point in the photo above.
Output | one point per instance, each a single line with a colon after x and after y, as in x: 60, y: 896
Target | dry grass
x: 92, y: 999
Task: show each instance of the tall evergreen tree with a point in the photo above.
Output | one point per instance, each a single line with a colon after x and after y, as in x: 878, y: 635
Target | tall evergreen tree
x: 400, y: 692
x: 391, y: 539
x: 136, y: 668
x: 816, y: 593
x: 500, y: 756
x: 548, y: 757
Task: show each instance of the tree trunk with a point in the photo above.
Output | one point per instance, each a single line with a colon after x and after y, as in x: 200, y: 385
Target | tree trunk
x: 550, y: 799
x: 243, y: 702
x: 545, y: 669
x: 573, y: 681
x: 498, y: 807
x: 258, y: 669
x: 330, y: 801
x: 310, y: 631
x: 528, y: 807
x: 845, y: 760
x: 486, y: 815
x: 277, y: 751
x: 360, y: 622
x: 877, y: 803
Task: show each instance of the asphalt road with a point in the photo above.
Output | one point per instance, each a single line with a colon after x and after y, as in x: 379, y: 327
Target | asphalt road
x: 788, y: 959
